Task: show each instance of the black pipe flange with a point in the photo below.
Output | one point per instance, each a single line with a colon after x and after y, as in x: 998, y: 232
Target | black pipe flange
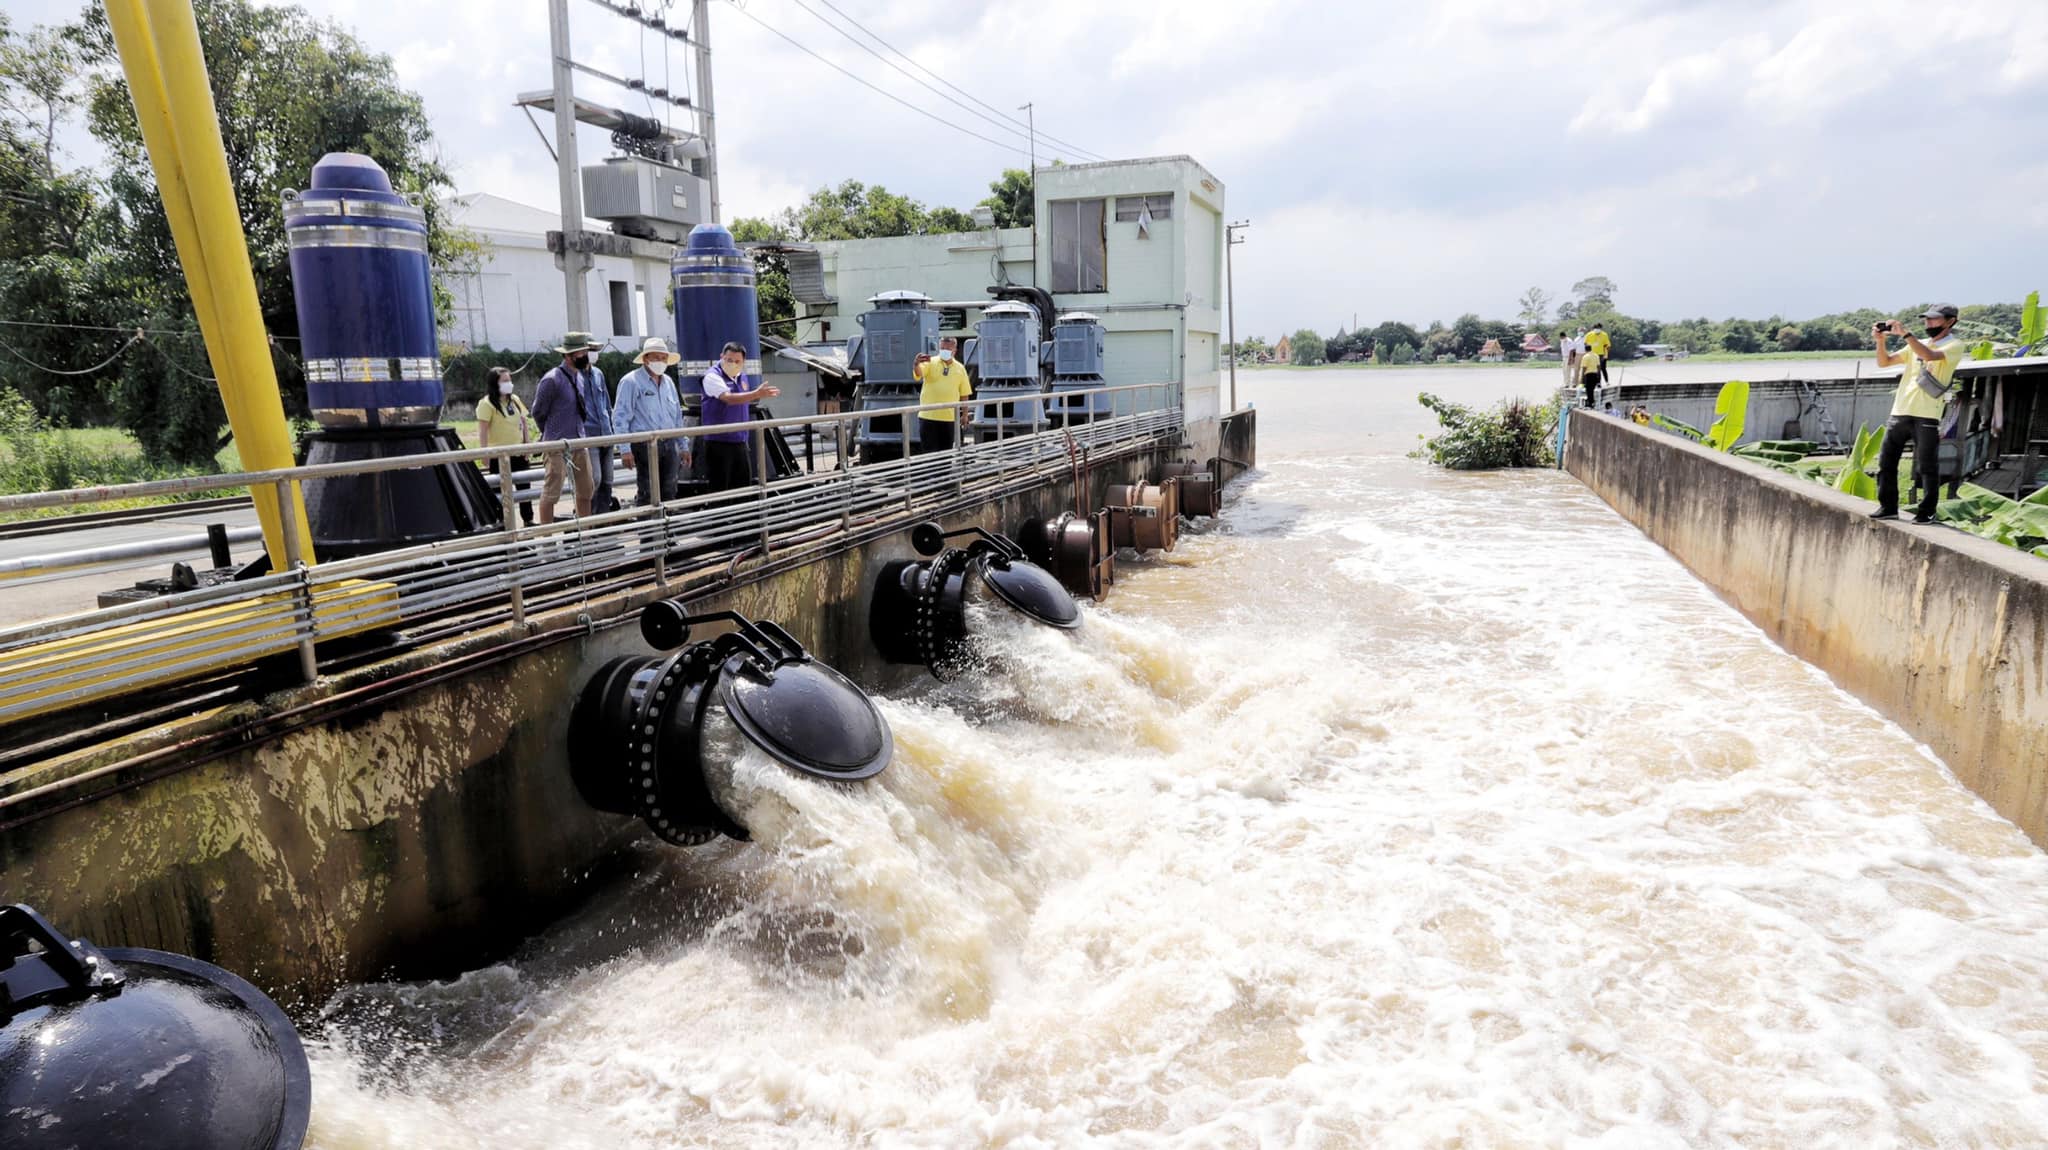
x: 140, y: 1049
x: 1075, y: 548
x: 646, y: 728
x: 919, y: 610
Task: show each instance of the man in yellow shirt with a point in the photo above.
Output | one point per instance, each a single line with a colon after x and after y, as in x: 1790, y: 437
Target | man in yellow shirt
x: 1923, y: 392
x: 945, y: 381
x: 1601, y: 344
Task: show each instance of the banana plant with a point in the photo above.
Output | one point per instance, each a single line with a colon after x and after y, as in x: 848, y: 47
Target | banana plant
x: 1730, y: 410
x: 1855, y: 477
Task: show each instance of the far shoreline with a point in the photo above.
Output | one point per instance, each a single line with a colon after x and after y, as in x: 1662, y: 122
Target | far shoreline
x: 1555, y: 365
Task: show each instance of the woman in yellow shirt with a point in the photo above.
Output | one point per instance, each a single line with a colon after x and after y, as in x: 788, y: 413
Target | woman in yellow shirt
x: 503, y: 421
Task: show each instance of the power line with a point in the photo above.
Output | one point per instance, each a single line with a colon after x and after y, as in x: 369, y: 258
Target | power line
x: 125, y: 329
x: 100, y: 366
x: 629, y: 85
x: 855, y: 41
x: 1008, y: 147
x: 1076, y: 149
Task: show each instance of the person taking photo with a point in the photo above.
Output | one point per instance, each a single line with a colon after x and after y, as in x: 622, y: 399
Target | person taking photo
x: 1930, y: 368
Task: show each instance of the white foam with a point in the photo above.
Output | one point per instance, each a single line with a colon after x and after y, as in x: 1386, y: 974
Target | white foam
x: 1405, y: 809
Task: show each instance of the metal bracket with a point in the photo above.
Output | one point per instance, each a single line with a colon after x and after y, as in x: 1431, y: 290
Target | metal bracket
x: 61, y: 969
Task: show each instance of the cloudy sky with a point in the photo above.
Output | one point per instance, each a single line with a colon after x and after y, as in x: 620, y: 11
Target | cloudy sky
x: 1412, y: 161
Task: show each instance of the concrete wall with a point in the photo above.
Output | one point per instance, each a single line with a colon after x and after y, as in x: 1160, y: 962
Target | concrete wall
x: 409, y: 818
x: 1943, y: 632
x: 513, y: 301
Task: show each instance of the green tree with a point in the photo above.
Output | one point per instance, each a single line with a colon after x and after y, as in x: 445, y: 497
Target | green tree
x: 1010, y: 198
x: 50, y: 225
x: 1789, y: 337
x: 1468, y: 335
x: 850, y: 211
x: 1741, y: 336
x: 1625, y: 332
x: 1593, y: 289
x: 772, y: 298
x: 1534, y: 309
x: 288, y: 90
x: 44, y: 208
x: 855, y: 211
x: 1307, y: 348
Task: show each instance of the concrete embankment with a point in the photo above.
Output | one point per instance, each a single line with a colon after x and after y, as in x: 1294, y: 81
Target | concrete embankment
x: 413, y: 816
x: 1943, y: 632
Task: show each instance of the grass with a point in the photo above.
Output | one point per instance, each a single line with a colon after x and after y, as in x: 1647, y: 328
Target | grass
x: 105, y: 456
x: 112, y: 455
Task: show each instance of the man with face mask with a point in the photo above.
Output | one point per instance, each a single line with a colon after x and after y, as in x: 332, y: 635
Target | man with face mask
x: 559, y: 407
x: 648, y: 402
x: 1924, y: 386
x: 728, y: 400
x: 945, y: 381
x: 597, y: 420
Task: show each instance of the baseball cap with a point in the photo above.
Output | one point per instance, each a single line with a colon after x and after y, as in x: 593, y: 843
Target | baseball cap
x: 1940, y: 311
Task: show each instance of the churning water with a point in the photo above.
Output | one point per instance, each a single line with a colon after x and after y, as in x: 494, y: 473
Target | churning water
x: 1400, y: 808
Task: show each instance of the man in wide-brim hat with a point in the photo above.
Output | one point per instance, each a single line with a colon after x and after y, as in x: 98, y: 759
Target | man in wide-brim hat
x: 648, y: 403
x: 560, y: 407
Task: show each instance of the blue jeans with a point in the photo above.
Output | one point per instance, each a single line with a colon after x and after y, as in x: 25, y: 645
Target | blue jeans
x: 601, y: 469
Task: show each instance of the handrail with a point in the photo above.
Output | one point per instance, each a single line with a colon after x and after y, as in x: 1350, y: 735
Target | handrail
x: 76, y: 495
x: 152, y: 643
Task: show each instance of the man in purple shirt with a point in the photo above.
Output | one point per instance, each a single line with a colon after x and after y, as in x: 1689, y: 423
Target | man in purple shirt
x: 559, y: 409
x: 726, y: 401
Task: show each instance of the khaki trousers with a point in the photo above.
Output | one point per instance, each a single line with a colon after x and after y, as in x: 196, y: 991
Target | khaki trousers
x: 560, y: 465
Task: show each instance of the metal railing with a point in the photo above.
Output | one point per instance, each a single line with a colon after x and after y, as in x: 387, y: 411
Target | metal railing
x: 525, y: 568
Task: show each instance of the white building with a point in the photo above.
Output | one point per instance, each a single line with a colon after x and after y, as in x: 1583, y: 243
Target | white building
x: 514, y: 300
x: 1137, y: 243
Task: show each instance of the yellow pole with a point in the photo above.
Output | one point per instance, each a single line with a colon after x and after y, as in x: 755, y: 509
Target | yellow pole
x: 160, y: 53
x: 145, y: 86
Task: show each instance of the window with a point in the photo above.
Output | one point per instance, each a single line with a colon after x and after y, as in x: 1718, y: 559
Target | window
x: 622, y: 307
x: 1159, y: 206
x: 1080, y: 253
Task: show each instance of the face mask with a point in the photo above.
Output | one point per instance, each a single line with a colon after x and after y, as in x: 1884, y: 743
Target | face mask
x: 1934, y: 330
x: 504, y: 387
x: 732, y: 369
x: 945, y: 355
x: 579, y: 362
x: 656, y: 367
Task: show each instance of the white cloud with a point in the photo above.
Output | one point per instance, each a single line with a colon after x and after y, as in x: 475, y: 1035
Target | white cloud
x: 1714, y: 156
x: 1700, y: 75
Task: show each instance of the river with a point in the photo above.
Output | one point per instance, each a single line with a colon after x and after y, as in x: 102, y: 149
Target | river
x: 1399, y: 808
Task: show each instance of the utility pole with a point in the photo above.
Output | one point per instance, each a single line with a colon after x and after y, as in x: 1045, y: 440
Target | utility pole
x: 573, y: 259
x: 1231, y: 240
x: 707, y: 123
x: 1031, y: 130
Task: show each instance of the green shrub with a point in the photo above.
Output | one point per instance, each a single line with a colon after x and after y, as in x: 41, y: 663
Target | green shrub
x: 1512, y: 433
x: 464, y: 374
